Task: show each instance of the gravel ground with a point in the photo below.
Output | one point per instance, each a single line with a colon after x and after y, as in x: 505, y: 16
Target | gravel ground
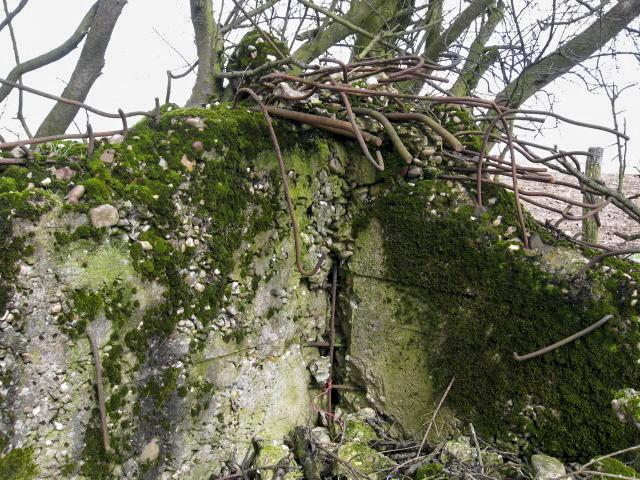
x: 612, y: 218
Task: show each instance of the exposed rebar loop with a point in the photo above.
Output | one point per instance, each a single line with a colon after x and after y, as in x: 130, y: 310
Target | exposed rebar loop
x: 285, y: 184
x: 573, y: 337
x: 339, y: 127
x: 393, y: 135
x: 379, y: 164
x: 431, y: 123
x: 500, y: 117
x: 602, y: 256
x: 125, y: 129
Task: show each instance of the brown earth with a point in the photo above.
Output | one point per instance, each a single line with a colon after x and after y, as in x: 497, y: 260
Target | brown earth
x: 612, y: 218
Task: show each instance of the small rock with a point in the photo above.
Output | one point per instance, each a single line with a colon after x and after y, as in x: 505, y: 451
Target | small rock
x: 150, y: 451
x: 196, y: 122
x: 76, y: 193
x: 17, y: 152
x: 117, y: 138
x: 189, y: 164
x: 335, y: 166
x: 108, y: 155
x: 414, y: 172
x: 546, y: 467
x: 197, y: 145
x: 104, y: 216
x: 45, y: 182
x: 65, y: 173
x: 146, y: 245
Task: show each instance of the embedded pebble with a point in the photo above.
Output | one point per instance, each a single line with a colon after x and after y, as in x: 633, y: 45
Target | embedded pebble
x: 17, y: 152
x: 117, y: 138
x: 414, y: 172
x: 65, y: 173
x: 76, y: 193
x: 108, y: 155
x: 150, y: 451
x: 45, y: 182
x: 146, y: 245
x: 104, y: 216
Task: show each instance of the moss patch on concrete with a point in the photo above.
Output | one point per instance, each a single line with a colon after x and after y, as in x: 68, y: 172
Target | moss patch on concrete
x: 483, y: 301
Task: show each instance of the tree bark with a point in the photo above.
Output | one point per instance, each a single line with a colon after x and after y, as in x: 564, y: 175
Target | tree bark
x: 479, y: 58
x: 52, y: 56
x: 575, y: 51
x: 457, y: 28
x: 358, y: 15
x: 88, y: 68
x: 203, y: 27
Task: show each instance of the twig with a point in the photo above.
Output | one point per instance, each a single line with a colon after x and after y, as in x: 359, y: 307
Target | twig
x: 562, y: 342
x: 478, y: 452
x: 596, y: 460
x: 103, y: 411
x: 73, y: 102
x: 433, y: 417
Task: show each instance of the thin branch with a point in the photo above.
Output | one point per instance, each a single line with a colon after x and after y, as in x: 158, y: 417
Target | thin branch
x: 573, y: 337
x: 10, y: 16
x: 52, y: 56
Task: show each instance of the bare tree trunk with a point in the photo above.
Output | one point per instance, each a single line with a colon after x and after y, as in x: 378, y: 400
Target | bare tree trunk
x: 457, y: 28
x: 577, y: 50
x: 203, y: 27
x: 88, y: 68
x: 479, y: 58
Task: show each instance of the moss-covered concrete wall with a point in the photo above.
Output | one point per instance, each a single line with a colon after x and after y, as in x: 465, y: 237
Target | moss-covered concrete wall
x: 190, y: 289
x: 440, y: 289
x: 188, y: 283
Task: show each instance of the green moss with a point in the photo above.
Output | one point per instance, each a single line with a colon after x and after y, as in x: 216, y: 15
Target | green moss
x: 252, y: 51
x: 159, y: 388
x: 356, y: 429
x: 18, y: 464
x: 494, y: 302
x: 97, y: 191
x: 613, y: 466
x: 83, y: 232
x: 28, y: 204
x: 428, y: 471
x: 456, y: 119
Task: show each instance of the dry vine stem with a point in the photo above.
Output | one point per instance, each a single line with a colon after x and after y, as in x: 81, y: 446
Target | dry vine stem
x: 285, y: 185
x: 573, y: 337
x: 103, y: 412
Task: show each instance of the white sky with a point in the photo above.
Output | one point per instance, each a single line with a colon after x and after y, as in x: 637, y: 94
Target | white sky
x: 138, y: 57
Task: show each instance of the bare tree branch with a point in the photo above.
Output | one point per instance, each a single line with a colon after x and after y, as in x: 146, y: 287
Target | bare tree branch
x: 10, y: 16
x: 578, y: 49
x: 52, y: 56
x: 88, y: 68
